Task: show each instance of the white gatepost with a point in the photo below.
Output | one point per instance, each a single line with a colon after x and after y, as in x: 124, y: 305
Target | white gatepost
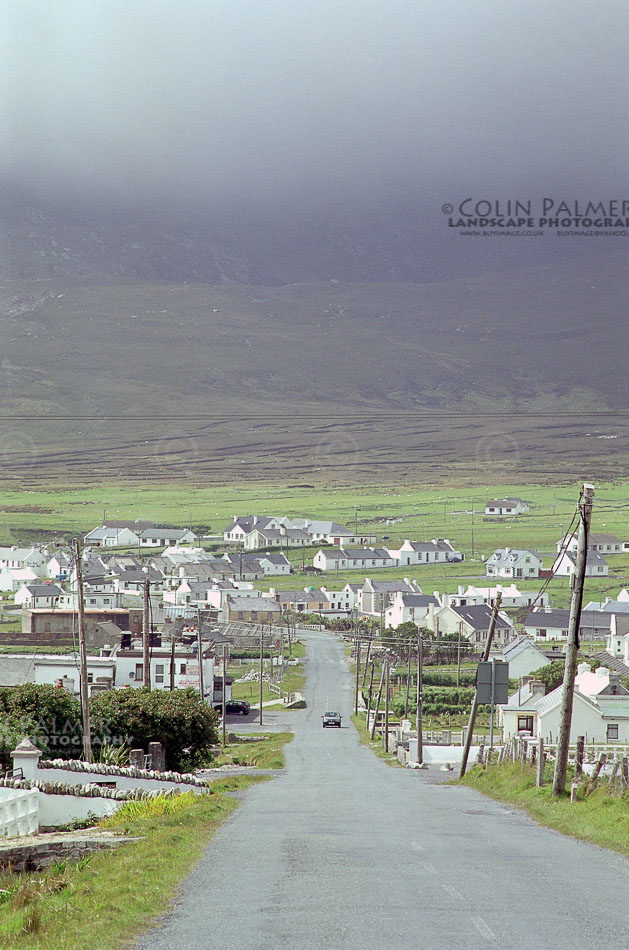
x: 26, y: 756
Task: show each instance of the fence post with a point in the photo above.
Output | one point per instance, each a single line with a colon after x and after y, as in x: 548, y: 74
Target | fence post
x: 539, y: 776
x: 578, y: 765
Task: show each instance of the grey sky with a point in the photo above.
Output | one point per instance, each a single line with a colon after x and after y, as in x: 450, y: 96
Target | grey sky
x: 308, y: 101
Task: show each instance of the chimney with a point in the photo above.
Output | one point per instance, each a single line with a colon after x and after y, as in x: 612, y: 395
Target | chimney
x: 584, y: 668
x: 431, y: 616
x: 537, y: 688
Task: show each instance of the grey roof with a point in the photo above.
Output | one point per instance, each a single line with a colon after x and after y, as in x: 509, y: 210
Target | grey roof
x: 391, y: 587
x: 523, y: 698
x: 479, y: 616
x: 604, y: 539
x: 365, y: 553
x: 419, y: 600
x: 512, y: 555
x: 302, y: 597
x: 264, y: 604
x: 518, y: 646
x: 43, y: 590
x: 558, y: 617
x: 273, y: 558
x: 593, y: 557
x: 168, y: 534
x: 501, y: 502
x: 609, y: 606
x: 612, y: 663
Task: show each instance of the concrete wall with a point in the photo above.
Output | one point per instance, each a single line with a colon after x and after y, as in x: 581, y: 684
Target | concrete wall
x: 57, y: 810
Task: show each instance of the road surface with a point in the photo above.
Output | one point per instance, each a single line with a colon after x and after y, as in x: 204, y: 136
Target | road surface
x: 343, y: 851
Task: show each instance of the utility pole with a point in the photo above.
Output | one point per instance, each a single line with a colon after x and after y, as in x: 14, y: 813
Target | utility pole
x: 200, y: 653
x: 85, y: 705
x: 357, y: 641
x: 408, y: 679
x: 224, y: 692
x: 366, y: 663
x: 146, y: 636
x: 172, y: 662
x: 458, y: 656
x: 370, y: 689
x: 474, y: 709
x: 386, y: 705
x: 418, y: 715
x: 261, y: 667
x: 567, y: 694
x: 377, y: 709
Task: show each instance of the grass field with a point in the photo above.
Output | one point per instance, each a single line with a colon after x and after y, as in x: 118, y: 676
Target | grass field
x: 60, y: 906
x: 602, y: 817
x: 420, y: 513
x: 257, y: 750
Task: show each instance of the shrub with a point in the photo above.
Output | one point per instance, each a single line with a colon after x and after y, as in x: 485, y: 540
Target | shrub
x: 49, y: 716
x: 178, y: 718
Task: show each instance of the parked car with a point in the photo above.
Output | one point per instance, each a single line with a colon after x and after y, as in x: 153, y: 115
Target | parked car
x: 331, y: 719
x: 454, y: 558
x: 234, y: 707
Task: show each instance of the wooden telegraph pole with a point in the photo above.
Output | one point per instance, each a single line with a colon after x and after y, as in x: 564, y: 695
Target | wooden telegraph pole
x: 567, y: 694
x: 85, y: 705
x: 357, y: 675
x: 484, y: 658
x: 200, y: 655
x: 146, y: 636
x: 261, y: 668
x: 375, y: 714
x: 419, y: 712
x: 408, y: 679
x: 386, y: 705
x: 224, y: 693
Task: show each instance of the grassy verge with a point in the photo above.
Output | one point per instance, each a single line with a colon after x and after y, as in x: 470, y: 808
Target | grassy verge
x: 360, y: 722
x: 292, y: 682
x: 262, y: 753
x: 101, y: 902
x: 601, y: 818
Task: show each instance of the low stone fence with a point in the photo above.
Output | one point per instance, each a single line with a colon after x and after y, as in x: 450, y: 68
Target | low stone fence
x: 74, y: 771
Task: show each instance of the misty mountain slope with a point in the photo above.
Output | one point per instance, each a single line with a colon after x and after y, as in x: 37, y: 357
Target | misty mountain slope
x: 547, y: 338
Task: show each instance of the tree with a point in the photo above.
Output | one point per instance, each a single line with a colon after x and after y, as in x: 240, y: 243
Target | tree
x: 48, y: 715
x: 178, y: 718
x: 552, y: 674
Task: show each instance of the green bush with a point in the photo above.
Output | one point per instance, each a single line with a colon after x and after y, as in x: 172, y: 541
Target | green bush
x: 178, y: 718
x: 49, y: 716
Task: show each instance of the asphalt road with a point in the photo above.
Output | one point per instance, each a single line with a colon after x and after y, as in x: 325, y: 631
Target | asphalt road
x: 343, y: 851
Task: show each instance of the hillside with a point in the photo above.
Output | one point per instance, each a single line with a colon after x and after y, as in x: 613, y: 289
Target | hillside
x: 307, y: 373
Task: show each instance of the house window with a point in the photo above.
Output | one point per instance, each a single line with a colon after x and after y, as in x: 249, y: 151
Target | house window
x: 159, y: 672
x: 239, y: 615
x: 183, y: 668
x: 525, y: 724
x: 254, y: 614
x: 139, y: 672
x: 612, y: 731
x: 542, y: 633
x: 90, y: 677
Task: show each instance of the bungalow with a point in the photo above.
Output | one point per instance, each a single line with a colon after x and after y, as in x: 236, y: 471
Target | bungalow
x: 352, y: 558
x: 59, y: 566
x: 436, y: 551
x: 164, y: 537
x: 375, y: 596
x: 507, y: 562
x: 37, y: 595
x: 64, y: 669
x: 251, y: 610
x: 511, y: 596
x: 12, y: 578
x: 472, y: 623
x: 413, y: 608
x: 333, y: 532
x: 600, y: 711
x: 301, y: 601
x: 518, y: 714
x: 110, y: 537
x: 496, y: 507
x: 524, y: 657
x: 595, y: 565
x: 273, y: 564
x: 241, y: 526
x: 130, y: 670
x: 601, y: 543
x: 281, y: 537
x: 19, y: 559
x: 551, y: 623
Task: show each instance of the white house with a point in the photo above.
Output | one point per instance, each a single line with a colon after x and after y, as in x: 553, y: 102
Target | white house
x: 341, y: 602
x: 112, y: 536
x: 604, y: 544
x: 130, y: 669
x: 595, y: 565
x: 241, y: 526
x: 518, y: 715
x: 472, y: 623
x: 413, y: 608
x: 352, y: 559
x: 523, y: 657
x: 11, y: 579
x: 31, y: 596
x: 274, y: 564
x: 507, y: 562
x: 551, y: 623
x: 617, y: 643
x: 511, y: 596
x: 15, y: 558
x: 436, y: 551
x: 59, y: 566
x: 53, y: 670
x: 165, y: 537
x: 333, y: 533
x: 600, y: 711
x: 505, y: 506
x: 375, y: 596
